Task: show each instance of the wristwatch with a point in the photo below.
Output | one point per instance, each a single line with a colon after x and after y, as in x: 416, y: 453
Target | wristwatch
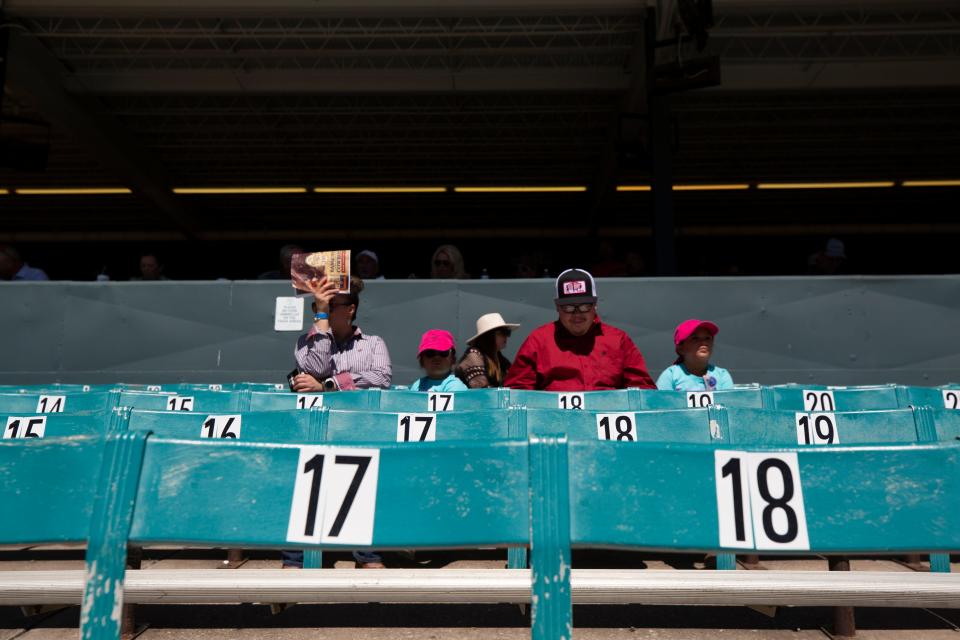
x: 329, y: 384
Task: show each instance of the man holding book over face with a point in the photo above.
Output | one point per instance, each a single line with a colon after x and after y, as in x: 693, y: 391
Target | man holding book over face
x: 335, y: 355
x: 578, y: 352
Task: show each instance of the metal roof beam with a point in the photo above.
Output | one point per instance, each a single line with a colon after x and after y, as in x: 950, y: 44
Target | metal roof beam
x: 33, y: 71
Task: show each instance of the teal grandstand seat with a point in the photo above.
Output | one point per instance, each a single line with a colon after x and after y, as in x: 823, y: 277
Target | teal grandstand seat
x: 749, y: 427
x: 48, y: 488
x: 58, y: 425
x: 656, y: 399
x: 57, y: 402
x: 673, y: 425
x: 360, y: 400
x: 251, y: 426
x: 614, y: 400
x: 472, y: 400
x: 787, y: 500
x: 391, y: 496
x: 812, y: 398
x: 380, y: 426
x: 199, y: 400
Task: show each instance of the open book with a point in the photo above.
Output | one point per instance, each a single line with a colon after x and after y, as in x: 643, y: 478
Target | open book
x: 335, y: 265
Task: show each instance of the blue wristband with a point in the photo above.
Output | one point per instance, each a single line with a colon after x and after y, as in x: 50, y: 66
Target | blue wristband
x: 320, y: 315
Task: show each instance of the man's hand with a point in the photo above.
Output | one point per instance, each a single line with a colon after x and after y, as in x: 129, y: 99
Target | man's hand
x: 304, y: 382
x: 323, y: 291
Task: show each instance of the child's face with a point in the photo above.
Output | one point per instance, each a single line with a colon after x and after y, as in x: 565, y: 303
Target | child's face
x: 699, y: 346
x: 437, y: 364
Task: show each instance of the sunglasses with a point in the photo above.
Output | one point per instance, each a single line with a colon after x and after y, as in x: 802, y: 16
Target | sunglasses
x: 504, y: 332
x: 581, y: 308
x: 433, y: 353
x: 442, y: 263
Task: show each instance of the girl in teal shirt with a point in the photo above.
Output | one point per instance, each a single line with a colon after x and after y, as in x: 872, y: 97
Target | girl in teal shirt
x: 692, y: 371
x: 437, y: 355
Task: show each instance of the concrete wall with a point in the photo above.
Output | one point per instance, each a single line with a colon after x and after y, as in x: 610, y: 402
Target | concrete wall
x: 845, y: 330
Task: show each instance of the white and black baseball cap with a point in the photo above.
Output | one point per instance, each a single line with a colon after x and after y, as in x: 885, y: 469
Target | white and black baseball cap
x: 576, y: 286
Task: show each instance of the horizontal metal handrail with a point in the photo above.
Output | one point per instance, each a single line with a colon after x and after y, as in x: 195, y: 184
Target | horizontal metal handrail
x: 484, y: 586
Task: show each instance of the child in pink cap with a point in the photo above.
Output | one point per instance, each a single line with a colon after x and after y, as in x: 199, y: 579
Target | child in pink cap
x: 437, y: 355
x: 692, y: 371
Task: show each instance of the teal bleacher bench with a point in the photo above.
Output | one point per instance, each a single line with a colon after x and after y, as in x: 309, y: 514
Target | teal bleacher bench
x: 188, y: 400
x: 57, y: 402
x: 359, y: 400
x: 59, y: 425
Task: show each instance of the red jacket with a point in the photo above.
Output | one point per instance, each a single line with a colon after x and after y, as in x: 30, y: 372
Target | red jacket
x: 554, y: 359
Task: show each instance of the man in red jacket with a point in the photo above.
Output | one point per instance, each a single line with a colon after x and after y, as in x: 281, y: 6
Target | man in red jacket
x: 578, y: 352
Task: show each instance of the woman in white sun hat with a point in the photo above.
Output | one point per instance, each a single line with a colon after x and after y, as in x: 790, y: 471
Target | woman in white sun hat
x: 483, y: 364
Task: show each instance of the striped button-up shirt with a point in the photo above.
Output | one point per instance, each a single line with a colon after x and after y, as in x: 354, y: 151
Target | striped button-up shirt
x: 362, y: 362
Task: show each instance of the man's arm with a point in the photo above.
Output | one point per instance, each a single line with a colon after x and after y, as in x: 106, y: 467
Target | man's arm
x: 523, y: 372
x: 634, y: 368
x: 313, y: 353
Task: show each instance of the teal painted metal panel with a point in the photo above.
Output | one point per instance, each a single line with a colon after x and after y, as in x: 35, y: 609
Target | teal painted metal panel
x: 786, y: 428
x: 47, y: 488
x: 803, y: 398
x: 854, y: 499
x: 655, y: 399
x: 187, y: 400
x: 551, y: 614
x: 56, y: 402
x: 285, y: 401
x: 472, y: 400
x: 57, y: 425
x: 257, y: 426
x: 617, y: 400
x: 380, y: 426
x: 431, y: 495
x: 681, y: 425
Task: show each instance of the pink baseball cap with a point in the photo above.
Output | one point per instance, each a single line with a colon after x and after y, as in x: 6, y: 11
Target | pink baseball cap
x: 436, y: 340
x: 686, y: 328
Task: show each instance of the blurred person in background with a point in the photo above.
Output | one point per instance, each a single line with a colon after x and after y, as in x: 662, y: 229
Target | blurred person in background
x: 830, y: 260
x: 367, y: 265
x: 447, y: 263
x: 12, y: 266
x: 286, y: 258
x: 151, y: 269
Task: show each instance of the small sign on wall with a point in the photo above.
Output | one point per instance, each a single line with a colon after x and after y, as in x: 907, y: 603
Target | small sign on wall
x: 289, y: 314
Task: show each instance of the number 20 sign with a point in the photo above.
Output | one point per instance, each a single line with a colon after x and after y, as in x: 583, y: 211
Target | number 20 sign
x: 760, y: 501
x: 334, y: 495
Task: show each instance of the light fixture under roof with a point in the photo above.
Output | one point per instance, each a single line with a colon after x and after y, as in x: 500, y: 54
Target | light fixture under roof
x: 191, y: 191
x: 517, y: 189
x: 827, y: 185
x: 931, y: 183
x: 379, y: 189
x: 74, y: 191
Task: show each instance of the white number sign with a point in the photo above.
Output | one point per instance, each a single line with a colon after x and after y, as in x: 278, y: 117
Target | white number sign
x: 818, y: 400
x: 154, y: 387
x: 699, y: 399
x: 51, y: 404
x: 440, y: 402
x: 951, y: 398
x: 760, y: 501
x: 570, y: 401
x: 180, y: 403
x: 616, y: 426
x: 221, y: 427
x: 416, y: 427
x: 25, y: 427
x: 309, y: 400
x: 334, y: 496
x: 817, y: 428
